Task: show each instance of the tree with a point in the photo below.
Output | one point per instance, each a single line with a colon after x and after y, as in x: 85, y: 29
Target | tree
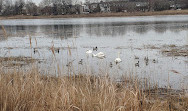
x: 159, y: 5
x: 54, y: 9
x: 18, y: 7
x: 31, y: 8
x: 97, y: 9
x: 1, y: 5
x: 7, y: 7
x: 184, y: 3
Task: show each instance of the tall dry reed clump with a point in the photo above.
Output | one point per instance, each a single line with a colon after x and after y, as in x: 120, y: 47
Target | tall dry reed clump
x: 33, y: 91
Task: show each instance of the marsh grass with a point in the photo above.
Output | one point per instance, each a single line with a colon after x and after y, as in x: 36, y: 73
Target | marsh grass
x: 34, y: 91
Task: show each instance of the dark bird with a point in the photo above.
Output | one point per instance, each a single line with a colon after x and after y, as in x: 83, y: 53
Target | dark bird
x: 70, y: 63
x: 58, y: 50
x: 154, y: 61
x: 146, y: 60
x: 111, y: 65
x: 80, y: 62
x: 34, y: 51
x: 137, y: 64
x: 95, y: 48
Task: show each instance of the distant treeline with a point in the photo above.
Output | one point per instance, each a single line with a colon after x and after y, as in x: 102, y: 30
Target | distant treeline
x: 61, y: 7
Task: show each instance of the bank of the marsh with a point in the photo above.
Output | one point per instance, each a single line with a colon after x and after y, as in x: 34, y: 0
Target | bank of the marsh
x: 120, y: 14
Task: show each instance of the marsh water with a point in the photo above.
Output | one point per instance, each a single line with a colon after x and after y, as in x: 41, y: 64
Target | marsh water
x: 135, y: 38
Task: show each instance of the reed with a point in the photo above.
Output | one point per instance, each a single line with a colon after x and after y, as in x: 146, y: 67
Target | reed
x: 4, y: 31
x: 30, y: 41
x: 34, y: 91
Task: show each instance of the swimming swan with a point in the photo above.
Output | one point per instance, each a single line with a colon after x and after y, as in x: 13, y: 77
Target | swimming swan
x: 100, y: 55
x: 88, y: 51
x: 117, y: 60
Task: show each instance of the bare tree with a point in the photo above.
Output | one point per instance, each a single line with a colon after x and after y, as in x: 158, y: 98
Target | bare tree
x: 161, y: 5
x: 31, y: 8
x: 1, y: 6
x: 7, y: 7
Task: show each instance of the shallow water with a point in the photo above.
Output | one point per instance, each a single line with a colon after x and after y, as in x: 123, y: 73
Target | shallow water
x: 131, y: 36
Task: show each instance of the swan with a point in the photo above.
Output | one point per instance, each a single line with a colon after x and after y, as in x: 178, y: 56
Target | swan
x: 117, y: 60
x: 88, y: 51
x: 100, y: 55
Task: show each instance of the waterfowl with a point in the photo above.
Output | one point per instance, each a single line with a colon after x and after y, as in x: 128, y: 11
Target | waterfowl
x: 88, y: 51
x: 137, y: 64
x: 95, y: 48
x: 146, y: 60
x: 136, y: 57
x: 154, y: 61
x: 70, y: 63
x: 80, y: 62
x: 58, y: 50
x: 117, y: 60
x: 99, y: 55
x: 35, y: 50
x: 111, y: 65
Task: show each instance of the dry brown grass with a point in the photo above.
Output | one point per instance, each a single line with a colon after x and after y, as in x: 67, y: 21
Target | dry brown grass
x: 33, y: 91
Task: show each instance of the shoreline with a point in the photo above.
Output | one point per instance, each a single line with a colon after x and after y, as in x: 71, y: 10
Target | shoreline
x: 121, y: 14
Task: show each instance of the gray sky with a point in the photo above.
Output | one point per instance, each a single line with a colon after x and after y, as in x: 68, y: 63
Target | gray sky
x: 37, y: 1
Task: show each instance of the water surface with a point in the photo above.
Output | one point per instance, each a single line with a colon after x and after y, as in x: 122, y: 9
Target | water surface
x: 142, y: 37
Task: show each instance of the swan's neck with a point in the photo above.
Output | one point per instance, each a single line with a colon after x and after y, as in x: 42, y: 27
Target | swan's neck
x: 118, y: 54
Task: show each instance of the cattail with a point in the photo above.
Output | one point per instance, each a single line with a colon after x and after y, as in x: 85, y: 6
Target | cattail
x: 30, y: 41
x: 36, y: 41
x: 69, y: 50
x: 4, y: 31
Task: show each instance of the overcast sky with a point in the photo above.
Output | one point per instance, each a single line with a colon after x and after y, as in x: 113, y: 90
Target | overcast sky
x: 37, y: 1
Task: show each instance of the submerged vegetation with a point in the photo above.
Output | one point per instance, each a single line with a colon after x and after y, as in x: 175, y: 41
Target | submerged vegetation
x: 171, y: 50
x: 33, y: 91
x: 16, y: 61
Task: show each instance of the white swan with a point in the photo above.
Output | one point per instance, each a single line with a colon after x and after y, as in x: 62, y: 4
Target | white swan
x: 117, y: 60
x: 88, y: 51
x: 100, y: 55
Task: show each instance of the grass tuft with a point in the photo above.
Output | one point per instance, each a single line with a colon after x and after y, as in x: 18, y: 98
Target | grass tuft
x: 34, y: 91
